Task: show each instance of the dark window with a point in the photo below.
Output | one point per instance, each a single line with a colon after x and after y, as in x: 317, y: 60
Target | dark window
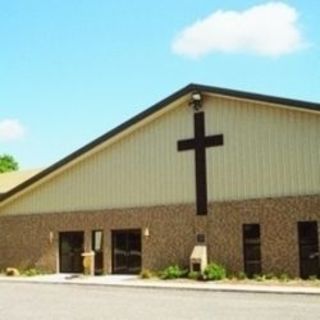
x: 308, y: 249
x: 251, y: 249
x: 71, y: 247
x: 201, y: 238
x: 126, y: 251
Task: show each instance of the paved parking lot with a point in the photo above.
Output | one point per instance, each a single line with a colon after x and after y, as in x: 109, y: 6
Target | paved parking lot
x: 54, y: 301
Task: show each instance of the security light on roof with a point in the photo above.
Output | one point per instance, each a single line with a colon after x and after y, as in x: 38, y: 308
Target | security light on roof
x: 196, y: 100
x: 196, y: 96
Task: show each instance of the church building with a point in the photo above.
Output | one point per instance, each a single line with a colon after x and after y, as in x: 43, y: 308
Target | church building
x: 235, y: 172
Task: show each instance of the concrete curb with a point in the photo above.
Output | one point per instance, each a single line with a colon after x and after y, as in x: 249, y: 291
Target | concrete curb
x: 250, y: 289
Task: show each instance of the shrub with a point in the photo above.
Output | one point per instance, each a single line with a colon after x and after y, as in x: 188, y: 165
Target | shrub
x: 284, y: 277
x: 194, y: 275
x: 269, y: 276
x: 31, y: 272
x: 313, y: 278
x: 259, y: 277
x: 173, y: 272
x: 214, y: 271
x: 231, y: 276
x: 241, y: 275
x: 146, y: 274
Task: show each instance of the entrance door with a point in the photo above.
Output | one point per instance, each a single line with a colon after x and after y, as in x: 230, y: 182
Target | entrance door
x: 71, y: 247
x: 308, y: 249
x: 126, y: 251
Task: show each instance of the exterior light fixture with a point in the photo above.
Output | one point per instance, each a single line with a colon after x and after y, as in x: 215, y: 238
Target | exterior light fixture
x: 51, y: 236
x: 196, y: 100
x: 146, y: 232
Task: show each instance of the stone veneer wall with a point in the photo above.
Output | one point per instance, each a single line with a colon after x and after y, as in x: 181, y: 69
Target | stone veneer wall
x: 25, y: 240
x: 278, y: 219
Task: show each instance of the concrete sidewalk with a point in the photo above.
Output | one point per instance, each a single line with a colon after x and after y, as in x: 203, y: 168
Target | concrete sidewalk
x: 181, y: 284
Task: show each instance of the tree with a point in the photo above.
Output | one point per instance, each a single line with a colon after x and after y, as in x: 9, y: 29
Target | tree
x: 8, y: 163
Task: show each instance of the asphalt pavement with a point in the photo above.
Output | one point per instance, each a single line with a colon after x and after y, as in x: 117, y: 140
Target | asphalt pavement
x: 56, y: 301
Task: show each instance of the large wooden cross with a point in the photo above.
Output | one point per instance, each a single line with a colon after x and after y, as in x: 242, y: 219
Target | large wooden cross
x: 199, y: 144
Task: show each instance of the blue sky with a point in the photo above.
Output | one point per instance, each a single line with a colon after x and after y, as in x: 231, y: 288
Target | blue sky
x: 72, y: 70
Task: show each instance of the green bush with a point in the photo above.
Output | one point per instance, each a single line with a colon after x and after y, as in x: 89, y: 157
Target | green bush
x: 173, y: 272
x: 284, y: 277
x: 214, y: 271
x: 194, y: 275
x: 31, y: 272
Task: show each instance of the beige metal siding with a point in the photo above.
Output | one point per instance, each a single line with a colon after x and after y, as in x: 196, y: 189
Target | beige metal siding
x: 268, y: 151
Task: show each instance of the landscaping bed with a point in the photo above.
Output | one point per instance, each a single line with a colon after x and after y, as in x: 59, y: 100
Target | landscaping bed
x: 216, y: 273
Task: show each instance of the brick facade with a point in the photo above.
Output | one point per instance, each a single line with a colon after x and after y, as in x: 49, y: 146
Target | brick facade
x: 25, y: 240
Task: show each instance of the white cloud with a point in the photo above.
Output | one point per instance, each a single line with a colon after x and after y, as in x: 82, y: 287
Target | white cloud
x: 269, y: 29
x: 11, y: 129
